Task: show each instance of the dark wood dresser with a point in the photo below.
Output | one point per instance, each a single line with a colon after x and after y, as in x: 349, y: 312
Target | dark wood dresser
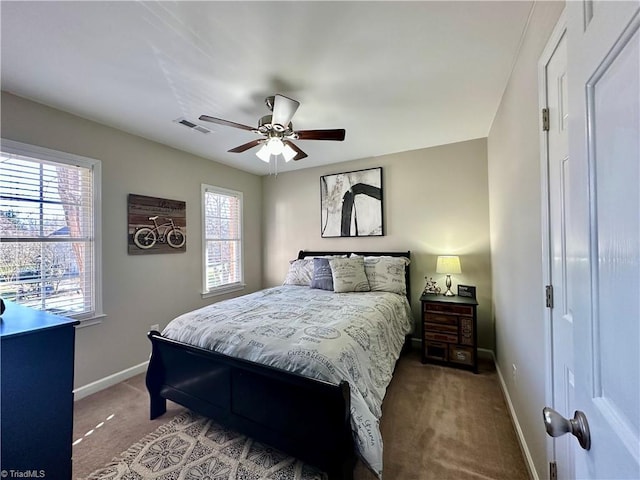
x: 36, y: 399
x: 449, y: 331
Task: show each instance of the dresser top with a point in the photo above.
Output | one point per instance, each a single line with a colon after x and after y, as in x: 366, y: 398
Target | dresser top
x: 20, y: 320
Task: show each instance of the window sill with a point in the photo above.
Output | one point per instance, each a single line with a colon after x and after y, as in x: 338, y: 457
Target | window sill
x: 223, y: 290
x: 89, y: 321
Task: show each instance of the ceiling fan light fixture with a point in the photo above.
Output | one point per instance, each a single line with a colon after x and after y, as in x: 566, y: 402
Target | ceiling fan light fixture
x: 275, y: 146
x: 264, y: 154
x: 277, y: 131
x: 288, y: 153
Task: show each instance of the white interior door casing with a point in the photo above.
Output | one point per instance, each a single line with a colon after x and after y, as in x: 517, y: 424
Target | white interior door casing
x: 555, y: 85
x: 603, y: 244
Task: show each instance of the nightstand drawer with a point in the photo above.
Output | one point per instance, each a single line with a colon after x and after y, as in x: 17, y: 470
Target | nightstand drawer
x: 436, y: 351
x: 456, y: 309
x: 466, y: 331
x: 441, y: 327
x: 436, y: 318
x: 441, y: 337
x: 463, y: 355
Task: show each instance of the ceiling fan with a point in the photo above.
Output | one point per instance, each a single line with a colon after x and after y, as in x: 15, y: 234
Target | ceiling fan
x: 277, y: 131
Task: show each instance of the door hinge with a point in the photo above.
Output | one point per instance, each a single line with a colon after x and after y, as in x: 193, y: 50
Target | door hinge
x: 545, y: 119
x: 553, y: 471
x: 549, y: 294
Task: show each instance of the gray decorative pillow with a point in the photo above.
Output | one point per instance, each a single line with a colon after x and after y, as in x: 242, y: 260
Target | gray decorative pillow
x: 322, y: 277
x: 348, y: 275
x: 300, y: 272
x: 386, y: 274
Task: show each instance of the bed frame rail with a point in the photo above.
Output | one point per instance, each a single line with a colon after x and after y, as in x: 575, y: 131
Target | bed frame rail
x: 307, y: 418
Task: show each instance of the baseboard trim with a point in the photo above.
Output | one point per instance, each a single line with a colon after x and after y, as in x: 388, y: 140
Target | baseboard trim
x: 533, y: 474
x: 486, y: 353
x: 109, y: 381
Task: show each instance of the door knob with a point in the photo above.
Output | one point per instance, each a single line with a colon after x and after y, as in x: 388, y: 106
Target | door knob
x: 557, y: 426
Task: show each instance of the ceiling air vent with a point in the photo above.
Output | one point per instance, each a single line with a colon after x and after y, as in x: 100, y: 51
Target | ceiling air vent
x: 191, y: 125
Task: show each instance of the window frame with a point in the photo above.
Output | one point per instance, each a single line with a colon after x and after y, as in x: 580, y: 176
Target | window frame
x: 232, y: 287
x: 49, y: 155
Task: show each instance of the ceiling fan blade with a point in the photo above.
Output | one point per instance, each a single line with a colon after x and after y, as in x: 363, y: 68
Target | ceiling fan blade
x: 283, y: 110
x: 246, y: 146
x: 219, y: 121
x: 299, y: 153
x: 337, y: 134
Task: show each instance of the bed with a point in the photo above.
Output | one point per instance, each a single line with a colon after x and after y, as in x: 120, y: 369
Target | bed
x: 322, y: 405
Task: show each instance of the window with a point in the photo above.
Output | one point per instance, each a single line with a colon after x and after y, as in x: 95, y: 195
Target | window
x: 222, y: 240
x: 49, y: 223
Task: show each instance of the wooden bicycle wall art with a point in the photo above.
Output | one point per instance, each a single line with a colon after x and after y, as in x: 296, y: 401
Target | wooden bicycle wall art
x: 156, y: 225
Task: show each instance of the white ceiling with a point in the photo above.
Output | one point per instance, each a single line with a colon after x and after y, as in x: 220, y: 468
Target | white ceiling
x: 397, y: 76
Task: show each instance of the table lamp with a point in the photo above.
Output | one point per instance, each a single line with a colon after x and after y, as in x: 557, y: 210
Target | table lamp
x: 448, y: 264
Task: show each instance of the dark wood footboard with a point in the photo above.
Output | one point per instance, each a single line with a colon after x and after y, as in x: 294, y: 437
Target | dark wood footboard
x: 306, y: 418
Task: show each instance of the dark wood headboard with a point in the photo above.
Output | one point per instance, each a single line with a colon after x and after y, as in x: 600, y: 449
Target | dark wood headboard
x: 407, y: 271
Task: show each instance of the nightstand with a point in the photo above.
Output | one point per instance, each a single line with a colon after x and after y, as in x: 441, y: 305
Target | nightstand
x: 449, y: 331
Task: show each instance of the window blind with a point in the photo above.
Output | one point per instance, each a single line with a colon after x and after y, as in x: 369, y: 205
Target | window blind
x: 222, y: 238
x: 47, y: 233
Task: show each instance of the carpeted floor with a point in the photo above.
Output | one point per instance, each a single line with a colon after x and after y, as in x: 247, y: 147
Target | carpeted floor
x: 438, y: 423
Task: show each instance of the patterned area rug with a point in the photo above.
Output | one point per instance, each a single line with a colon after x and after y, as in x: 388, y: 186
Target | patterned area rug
x: 192, y: 447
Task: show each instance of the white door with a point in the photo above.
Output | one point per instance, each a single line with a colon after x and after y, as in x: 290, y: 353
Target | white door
x: 555, y: 100
x: 603, y: 234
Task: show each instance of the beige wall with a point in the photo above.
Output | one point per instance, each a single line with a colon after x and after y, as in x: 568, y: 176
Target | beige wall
x: 435, y: 202
x: 516, y: 237
x: 139, y: 290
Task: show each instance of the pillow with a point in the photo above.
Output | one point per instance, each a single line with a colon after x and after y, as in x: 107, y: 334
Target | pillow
x: 322, y: 277
x: 300, y: 272
x: 386, y: 274
x: 348, y: 275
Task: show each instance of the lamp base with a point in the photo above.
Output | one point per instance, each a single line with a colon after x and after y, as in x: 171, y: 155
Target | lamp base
x: 448, y: 293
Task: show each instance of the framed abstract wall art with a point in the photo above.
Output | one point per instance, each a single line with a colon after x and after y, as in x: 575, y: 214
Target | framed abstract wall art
x: 351, y: 204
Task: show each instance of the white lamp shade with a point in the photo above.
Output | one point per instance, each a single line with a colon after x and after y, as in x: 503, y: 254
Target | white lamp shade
x: 288, y: 153
x: 264, y: 154
x: 448, y: 264
x: 275, y: 146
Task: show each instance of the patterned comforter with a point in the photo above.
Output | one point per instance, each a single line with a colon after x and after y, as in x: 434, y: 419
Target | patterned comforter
x: 317, y: 333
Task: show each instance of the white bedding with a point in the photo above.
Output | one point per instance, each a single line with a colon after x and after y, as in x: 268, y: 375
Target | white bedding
x: 317, y: 333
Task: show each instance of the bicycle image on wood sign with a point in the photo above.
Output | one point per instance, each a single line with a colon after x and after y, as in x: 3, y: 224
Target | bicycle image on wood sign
x: 156, y: 225
x: 146, y: 237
